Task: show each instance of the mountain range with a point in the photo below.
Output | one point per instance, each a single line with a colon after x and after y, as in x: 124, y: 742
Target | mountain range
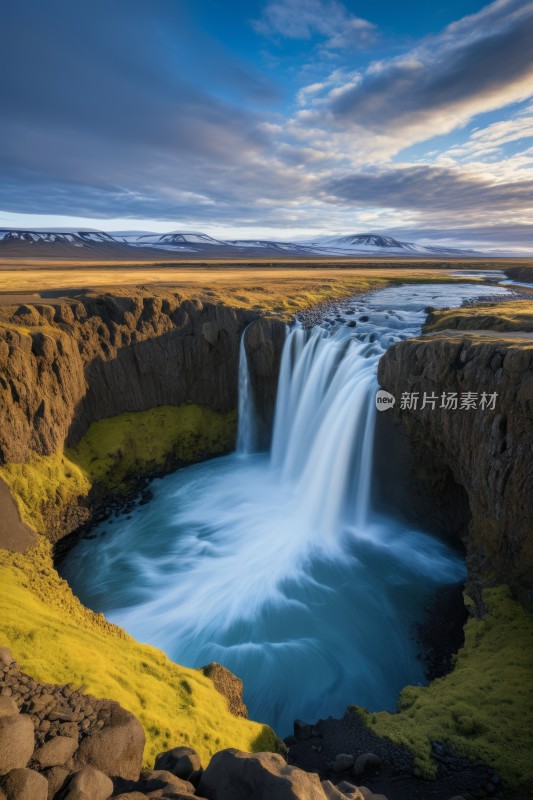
x: 86, y: 243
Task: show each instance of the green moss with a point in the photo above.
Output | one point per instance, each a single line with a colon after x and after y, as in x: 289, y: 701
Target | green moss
x: 484, y: 707
x: 112, y: 455
x: 56, y: 639
x: 44, y: 483
x: 117, y: 448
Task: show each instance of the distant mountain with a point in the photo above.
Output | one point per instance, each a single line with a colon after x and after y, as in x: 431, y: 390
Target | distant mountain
x: 87, y: 243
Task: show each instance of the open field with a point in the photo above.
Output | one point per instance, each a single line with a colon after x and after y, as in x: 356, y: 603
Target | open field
x: 279, y: 287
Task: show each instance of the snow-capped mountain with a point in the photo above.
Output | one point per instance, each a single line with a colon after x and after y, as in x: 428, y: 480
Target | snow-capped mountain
x: 190, y: 244
x: 78, y: 238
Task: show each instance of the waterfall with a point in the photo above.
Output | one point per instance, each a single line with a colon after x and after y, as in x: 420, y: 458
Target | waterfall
x: 247, y: 429
x: 276, y: 564
x: 324, y: 425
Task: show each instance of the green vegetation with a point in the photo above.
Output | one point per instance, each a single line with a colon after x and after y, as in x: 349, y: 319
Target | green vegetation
x: 113, y: 453
x: 484, y: 707
x: 56, y: 639
x: 513, y: 315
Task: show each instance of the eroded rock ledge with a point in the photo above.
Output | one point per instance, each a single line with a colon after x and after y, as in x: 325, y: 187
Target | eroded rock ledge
x: 67, y: 364
x: 488, y: 452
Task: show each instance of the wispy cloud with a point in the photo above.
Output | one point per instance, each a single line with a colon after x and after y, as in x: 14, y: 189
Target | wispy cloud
x: 305, y: 19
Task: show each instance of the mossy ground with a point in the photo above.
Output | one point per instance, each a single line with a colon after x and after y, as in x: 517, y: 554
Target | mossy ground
x: 484, y: 707
x: 113, y: 453
x: 57, y: 640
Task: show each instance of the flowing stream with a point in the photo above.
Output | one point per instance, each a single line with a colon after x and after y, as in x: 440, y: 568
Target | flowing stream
x: 276, y: 564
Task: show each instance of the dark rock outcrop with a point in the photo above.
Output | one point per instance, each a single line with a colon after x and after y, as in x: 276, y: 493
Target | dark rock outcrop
x: 487, y: 451
x: 67, y: 364
x: 263, y: 343
x: 228, y: 685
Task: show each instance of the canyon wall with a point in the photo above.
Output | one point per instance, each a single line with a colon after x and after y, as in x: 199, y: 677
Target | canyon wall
x: 67, y: 364
x: 488, y: 452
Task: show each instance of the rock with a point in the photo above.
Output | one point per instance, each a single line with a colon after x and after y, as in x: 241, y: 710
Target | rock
x: 181, y: 761
x: 132, y: 796
x: 6, y: 659
x: 89, y: 782
x: 232, y: 774
x: 336, y: 793
x: 57, y: 778
x: 228, y: 685
x: 368, y: 762
x: 302, y: 730
x: 25, y: 784
x: 17, y: 742
x: 116, y: 749
x: 55, y: 752
x: 8, y: 707
x: 367, y: 794
x: 160, y: 779
x: 351, y: 791
x: 457, y: 797
x: 343, y: 762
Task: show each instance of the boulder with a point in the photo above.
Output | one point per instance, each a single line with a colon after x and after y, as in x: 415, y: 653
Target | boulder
x: 91, y: 783
x: 343, y: 762
x: 232, y: 774
x: 55, y: 752
x: 57, y: 778
x: 8, y: 707
x: 25, y: 784
x: 368, y: 762
x: 181, y: 761
x: 6, y: 659
x: 17, y: 742
x: 160, y: 779
x: 302, y: 730
x: 333, y: 792
x: 228, y: 685
x: 351, y: 791
x: 116, y: 749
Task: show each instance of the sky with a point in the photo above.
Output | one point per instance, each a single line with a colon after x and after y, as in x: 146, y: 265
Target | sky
x: 277, y: 119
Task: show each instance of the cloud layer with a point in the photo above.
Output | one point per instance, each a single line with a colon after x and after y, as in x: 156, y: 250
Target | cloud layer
x: 149, y: 116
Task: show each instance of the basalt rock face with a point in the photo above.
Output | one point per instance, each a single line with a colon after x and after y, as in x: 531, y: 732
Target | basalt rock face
x: 67, y: 364
x: 264, y: 340
x: 486, y: 451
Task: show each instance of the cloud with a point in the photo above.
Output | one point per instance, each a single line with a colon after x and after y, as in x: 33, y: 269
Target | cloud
x: 480, y: 63
x: 305, y: 19
x: 447, y: 192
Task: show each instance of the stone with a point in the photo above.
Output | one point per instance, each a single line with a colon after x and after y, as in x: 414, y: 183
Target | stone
x: 228, y: 685
x: 368, y: 794
x: 302, y: 730
x: 368, y: 762
x: 181, y: 761
x: 25, y: 784
x: 55, y: 752
x: 160, y: 779
x: 334, y: 792
x: 8, y: 707
x: 263, y: 776
x: 17, y: 742
x: 117, y: 749
x: 6, y: 659
x: 133, y: 796
x: 351, y: 791
x: 57, y: 778
x: 343, y: 762
x: 89, y: 782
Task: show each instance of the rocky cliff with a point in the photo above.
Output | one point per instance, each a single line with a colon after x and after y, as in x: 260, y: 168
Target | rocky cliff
x: 487, y: 451
x: 67, y: 364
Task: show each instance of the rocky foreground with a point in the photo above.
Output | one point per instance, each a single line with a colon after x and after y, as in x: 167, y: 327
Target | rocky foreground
x: 57, y: 743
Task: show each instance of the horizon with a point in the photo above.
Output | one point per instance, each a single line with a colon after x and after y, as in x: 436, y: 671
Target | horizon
x: 272, y: 119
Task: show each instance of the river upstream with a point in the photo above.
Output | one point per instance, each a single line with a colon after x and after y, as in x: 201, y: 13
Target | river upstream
x: 276, y: 564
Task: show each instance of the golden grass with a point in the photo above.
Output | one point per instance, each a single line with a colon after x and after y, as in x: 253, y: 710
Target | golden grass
x: 510, y: 316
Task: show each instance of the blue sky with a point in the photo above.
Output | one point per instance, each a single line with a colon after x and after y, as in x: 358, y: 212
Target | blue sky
x: 280, y: 118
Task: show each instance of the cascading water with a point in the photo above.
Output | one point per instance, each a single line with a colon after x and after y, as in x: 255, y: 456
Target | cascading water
x: 247, y: 435
x: 275, y: 564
